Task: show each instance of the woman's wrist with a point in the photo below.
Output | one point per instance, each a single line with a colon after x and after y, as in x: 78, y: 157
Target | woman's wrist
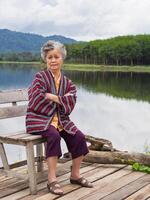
x: 52, y: 97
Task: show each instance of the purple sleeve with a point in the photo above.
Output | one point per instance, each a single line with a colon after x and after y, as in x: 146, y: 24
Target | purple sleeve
x: 68, y: 101
x: 36, y: 94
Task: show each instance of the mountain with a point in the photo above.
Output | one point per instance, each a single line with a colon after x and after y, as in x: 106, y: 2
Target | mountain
x: 12, y: 41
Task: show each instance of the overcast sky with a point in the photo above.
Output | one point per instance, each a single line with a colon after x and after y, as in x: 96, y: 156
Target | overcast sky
x: 78, y: 19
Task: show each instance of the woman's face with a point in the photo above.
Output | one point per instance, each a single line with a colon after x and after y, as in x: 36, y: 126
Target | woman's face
x: 54, y: 60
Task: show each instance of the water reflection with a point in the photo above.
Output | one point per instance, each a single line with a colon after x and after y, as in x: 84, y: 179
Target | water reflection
x: 124, y: 85
x: 114, y: 106
x: 14, y: 76
x: 124, y: 122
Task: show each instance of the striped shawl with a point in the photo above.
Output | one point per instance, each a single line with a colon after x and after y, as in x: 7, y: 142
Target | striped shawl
x: 40, y: 111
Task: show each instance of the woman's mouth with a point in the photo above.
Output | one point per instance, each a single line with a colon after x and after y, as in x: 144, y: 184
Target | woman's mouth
x: 54, y: 65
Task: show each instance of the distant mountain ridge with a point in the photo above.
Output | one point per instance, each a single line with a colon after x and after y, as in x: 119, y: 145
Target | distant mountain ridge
x: 12, y: 41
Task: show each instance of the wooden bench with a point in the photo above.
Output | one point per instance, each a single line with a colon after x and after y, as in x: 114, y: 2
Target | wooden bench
x: 20, y: 138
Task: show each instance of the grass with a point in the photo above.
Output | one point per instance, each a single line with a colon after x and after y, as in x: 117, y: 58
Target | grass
x: 92, y: 67
x: 17, y: 62
x: 86, y: 67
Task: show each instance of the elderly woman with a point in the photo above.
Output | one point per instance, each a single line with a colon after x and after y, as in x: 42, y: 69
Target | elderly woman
x: 52, y: 97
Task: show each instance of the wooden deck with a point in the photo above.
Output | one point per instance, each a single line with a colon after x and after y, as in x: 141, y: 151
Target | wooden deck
x: 111, y: 182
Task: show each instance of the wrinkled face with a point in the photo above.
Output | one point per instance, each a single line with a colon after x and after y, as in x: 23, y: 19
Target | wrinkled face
x: 54, y: 60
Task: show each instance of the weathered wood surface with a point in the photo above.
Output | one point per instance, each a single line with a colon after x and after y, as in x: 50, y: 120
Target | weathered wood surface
x: 10, y: 186
x: 16, y: 110
x: 99, y: 144
x: 141, y: 194
x: 13, y: 111
x: 117, y: 157
x: 21, y: 138
x: 9, y: 96
x: 111, y: 182
x: 4, y: 157
x: 129, y: 189
x: 22, y: 163
x: 31, y: 168
x: 102, y: 151
x: 13, y: 97
x: 28, y: 141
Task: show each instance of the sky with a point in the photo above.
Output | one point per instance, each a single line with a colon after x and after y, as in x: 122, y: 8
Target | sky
x: 84, y: 20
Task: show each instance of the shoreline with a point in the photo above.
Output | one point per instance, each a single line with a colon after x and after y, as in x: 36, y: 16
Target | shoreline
x: 91, y: 67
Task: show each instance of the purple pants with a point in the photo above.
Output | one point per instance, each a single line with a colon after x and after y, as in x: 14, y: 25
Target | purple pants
x: 76, y: 144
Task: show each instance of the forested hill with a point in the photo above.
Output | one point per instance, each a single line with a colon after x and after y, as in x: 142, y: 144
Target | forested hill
x: 12, y: 41
x: 121, y: 50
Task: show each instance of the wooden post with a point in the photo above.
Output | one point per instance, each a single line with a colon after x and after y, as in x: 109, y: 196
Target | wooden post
x: 14, y: 103
x: 39, y: 153
x: 4, y: 157
x: 31, y: 167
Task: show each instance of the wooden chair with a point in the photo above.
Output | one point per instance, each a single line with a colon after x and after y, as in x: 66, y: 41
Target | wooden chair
x: 20, y: 138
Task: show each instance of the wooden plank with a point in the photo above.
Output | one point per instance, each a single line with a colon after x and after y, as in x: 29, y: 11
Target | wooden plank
x: 36, y: 139
x: 129, y: 189
x: 22, y: 137
x: 19, y: 185
x: 62, y: 177
x: 66, y: 166
x: 75, y: 192
x: 2, y: 135
x: 12, y: 141
x: 13, y: 111
x: 21, y: 134
x: 112, y: 187
x: 18, y: 135
x: 8, y: 96
x: 142, y: 194
x: 14, y: 174
x: 30, y: 137
x: 4, y: 157
x: 86, y: 171
x: 12, y: 189
x: 3, y: 178
x: 5, y: 183
x: 20, y: 163
x: 31, y: 168
x: 98, y: 184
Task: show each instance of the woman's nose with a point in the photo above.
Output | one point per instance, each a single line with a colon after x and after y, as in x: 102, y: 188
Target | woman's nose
x: 53, y: 59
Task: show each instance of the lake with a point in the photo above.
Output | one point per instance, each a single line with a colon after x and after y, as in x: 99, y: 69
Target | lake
x: 110, y: 105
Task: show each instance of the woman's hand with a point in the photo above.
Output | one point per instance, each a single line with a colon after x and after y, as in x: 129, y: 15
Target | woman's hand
x: 52, y: 97
x: 68, y: 94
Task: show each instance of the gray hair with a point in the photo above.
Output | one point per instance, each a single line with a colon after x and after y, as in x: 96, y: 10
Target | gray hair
x: 51, y: 45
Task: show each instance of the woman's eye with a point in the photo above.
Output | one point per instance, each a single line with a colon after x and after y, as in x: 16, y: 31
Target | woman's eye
x: 54, y: 57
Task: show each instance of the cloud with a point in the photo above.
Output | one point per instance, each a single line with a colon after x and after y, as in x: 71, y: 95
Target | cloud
x: 82, y: 19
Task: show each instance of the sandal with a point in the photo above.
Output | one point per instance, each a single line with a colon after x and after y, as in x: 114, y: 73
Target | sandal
x: 81, y: 181
x: 52, y: 187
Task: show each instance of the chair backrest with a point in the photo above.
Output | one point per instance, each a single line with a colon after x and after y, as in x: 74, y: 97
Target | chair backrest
x: 13, y: 97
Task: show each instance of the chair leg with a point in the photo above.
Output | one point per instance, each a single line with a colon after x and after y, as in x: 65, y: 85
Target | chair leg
x: 4, y: 157
x: 39, y: 153
x: 31, y: 168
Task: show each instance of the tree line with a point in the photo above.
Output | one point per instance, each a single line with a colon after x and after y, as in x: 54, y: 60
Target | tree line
x: 20, y: 56
x: 121, y: 50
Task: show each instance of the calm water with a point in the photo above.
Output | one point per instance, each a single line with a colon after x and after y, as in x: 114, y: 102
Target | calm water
x: 115, y: 106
